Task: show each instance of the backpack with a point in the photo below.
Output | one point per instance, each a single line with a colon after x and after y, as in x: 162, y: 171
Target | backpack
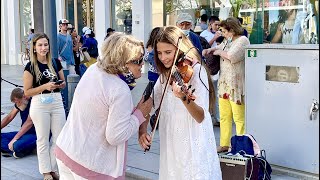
x: 93, y: 51
x: 247, y: 146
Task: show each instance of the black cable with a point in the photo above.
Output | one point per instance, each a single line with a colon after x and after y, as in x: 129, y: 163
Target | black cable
x: 16, y: 85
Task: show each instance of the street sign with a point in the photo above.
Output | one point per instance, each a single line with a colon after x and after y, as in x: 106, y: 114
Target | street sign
x: 252, y: 53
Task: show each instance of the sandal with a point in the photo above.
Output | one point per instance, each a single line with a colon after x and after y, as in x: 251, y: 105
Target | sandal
x: 48, y: 177
x: 221, y: 149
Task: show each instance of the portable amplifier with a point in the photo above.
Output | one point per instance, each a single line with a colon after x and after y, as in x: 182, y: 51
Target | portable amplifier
x: 238, y: 167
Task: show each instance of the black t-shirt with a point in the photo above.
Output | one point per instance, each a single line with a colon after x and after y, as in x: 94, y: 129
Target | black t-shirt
x: 47, y: 75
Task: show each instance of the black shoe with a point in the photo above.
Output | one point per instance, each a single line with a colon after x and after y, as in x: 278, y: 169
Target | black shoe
x: 216, y: 124
x: 6, y: 154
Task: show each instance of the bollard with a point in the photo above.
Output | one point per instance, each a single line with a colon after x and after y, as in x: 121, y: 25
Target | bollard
x: 73, y: 80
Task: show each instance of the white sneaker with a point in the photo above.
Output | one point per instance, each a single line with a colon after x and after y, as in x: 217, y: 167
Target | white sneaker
x: 14, y: 155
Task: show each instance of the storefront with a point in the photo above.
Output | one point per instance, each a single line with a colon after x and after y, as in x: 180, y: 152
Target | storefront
x: 267, y: 21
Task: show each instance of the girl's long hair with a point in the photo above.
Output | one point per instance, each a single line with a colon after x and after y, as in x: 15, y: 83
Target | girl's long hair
x: 34, y: 60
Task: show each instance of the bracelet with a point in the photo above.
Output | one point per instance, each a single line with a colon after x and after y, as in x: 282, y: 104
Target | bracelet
x: 184, y: 98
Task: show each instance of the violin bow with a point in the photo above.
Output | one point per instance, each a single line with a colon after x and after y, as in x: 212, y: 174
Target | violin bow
x: 164, y: 92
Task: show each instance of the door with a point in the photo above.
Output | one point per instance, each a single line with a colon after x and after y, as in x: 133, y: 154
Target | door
x: 282, y: 87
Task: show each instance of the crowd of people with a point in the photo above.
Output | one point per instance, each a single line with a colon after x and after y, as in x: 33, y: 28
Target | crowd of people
x: 91, y: 142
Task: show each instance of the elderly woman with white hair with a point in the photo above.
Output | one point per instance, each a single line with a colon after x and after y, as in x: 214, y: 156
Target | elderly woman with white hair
x: 93, y: 142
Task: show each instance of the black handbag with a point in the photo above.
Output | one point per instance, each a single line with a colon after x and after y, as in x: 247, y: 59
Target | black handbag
x: 213, y: 62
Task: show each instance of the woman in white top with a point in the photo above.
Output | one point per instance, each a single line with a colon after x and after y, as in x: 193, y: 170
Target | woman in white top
x: 187, y: 142
x: 93, y: 142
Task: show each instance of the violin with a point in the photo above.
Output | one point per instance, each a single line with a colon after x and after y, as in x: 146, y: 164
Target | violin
x: 182, y: 73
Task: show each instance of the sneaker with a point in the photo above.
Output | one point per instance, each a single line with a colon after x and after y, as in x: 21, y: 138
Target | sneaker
x: 15, y: 156
x: 6, y: 154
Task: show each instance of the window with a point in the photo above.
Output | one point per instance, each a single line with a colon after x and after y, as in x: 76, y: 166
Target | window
x: 267, y: 21
x: 122, y: 13
x: 25, y: 21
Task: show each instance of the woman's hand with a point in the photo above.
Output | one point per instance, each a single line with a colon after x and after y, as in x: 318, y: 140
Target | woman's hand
x: 207, y: 51
x: 144, y: 140
x: 50, y: 86
x: 62, y: 85
x: 217, y: 52
x: 145, y: 107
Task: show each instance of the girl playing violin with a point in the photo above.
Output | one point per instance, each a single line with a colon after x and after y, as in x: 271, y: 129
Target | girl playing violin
x: 187, y: 142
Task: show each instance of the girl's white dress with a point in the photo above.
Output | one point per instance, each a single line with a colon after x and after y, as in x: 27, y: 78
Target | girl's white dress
x: 187, y: 148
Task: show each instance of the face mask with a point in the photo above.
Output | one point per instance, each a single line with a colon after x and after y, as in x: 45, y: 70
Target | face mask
x: 46, y: 99
x: 186, y: 32
x: 229, y: 40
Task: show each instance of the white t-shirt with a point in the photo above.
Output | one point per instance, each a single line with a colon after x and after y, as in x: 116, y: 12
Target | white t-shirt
x: 208, y: 36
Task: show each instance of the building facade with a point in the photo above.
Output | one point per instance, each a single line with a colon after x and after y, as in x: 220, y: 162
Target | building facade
x: 267, y: 21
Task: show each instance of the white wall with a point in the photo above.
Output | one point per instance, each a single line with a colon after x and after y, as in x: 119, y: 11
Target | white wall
x: 60, y: 9
x: 141, y: 19
x: 102, y: 15
x: 12, y: 32
x: 4, y: 31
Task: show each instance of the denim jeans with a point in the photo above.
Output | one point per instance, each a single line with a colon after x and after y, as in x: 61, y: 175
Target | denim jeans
x: 22, y: 147
x: 297, y: 28
x: 216, y: 114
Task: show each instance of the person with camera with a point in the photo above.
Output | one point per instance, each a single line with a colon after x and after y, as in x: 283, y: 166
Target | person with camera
x: 42, y: 80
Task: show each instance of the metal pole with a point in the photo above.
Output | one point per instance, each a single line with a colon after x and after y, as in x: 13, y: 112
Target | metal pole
x: 50, y: 27
x: 164, y: 13
x: 38, y: 16
x: 88, y: 13
x: 75, y: 7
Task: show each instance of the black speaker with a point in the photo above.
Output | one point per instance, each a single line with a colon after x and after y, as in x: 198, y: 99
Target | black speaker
x: 238, y: 167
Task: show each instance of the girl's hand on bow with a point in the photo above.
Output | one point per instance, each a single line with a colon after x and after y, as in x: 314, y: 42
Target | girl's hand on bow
x: 144, y: 140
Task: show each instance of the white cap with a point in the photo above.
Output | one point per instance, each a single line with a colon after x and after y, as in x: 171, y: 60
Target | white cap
x: 88, y: 31
x: 184, y: 17
x: 85, y: 29
x: 202, y: 11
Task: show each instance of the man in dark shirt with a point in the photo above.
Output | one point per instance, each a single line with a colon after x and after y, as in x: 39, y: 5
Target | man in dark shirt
x: 18, y: 143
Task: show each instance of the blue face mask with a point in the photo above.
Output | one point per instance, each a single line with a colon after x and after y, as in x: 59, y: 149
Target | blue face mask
x: 46, y: 99
x: 186, y: 32
x: 229, y: 40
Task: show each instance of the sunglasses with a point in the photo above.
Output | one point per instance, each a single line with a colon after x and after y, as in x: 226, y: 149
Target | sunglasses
x: 137, y: 62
